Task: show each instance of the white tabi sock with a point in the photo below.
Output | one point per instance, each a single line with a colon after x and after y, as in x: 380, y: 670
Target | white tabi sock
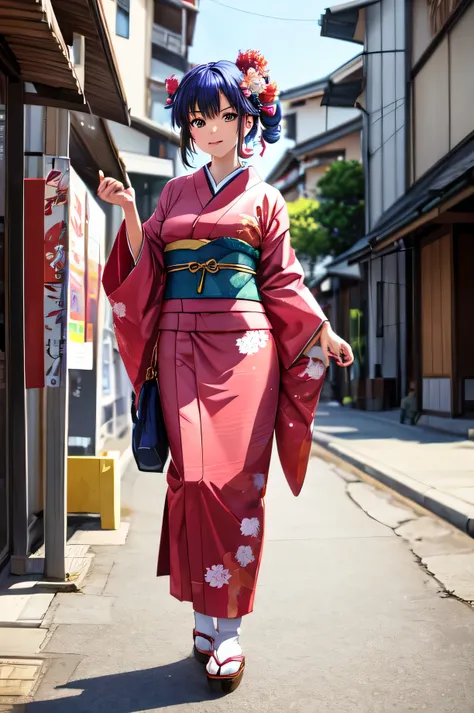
x: 227, y: 645
x: 205, y: 625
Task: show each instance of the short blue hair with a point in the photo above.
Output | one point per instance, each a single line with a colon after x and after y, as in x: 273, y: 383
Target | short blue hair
x: 201, y: 86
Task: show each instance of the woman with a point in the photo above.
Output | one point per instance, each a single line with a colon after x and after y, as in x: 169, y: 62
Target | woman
x: 212, y: 276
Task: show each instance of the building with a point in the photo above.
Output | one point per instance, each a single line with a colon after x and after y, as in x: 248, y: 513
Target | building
x: 420, y: 162
x: 321, y: 118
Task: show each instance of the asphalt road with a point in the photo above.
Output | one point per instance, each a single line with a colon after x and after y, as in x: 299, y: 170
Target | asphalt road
x: 346, y: 619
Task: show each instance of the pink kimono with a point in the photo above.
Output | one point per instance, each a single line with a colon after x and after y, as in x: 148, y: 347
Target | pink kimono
x: 232, y: 334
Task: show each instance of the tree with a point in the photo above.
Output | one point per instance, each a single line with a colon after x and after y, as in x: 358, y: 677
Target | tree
x: 341, y: 205
x: 309, y: 240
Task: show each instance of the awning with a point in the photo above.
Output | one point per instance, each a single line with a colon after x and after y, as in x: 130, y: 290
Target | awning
x: 344, y: 94
x: 153, y: 130
x: 33, y: 34
x: 444, y: 186
x: 103, y: 85
x: 92, y: 148
x: 346, y: 22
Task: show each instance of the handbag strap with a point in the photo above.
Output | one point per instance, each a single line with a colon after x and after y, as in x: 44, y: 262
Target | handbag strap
x: 152, y: 371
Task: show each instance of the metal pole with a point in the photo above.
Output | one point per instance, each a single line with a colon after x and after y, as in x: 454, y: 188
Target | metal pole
x: 56, y: 408
x: 16, y: 393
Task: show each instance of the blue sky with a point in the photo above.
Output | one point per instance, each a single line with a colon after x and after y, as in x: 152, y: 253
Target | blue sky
x: 294, y: 48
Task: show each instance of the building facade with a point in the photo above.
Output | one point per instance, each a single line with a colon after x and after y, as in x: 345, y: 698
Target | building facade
x: 325, y: 126
x: 419, y: 163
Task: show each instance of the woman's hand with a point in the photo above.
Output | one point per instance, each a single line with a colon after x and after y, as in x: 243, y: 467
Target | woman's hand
x: 332, y: 344
x: 112, y: 191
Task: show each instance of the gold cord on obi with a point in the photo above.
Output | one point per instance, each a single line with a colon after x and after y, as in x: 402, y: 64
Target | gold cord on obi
x: 211, y: 266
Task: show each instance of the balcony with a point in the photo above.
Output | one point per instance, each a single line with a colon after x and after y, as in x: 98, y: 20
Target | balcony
x: 171, y: 41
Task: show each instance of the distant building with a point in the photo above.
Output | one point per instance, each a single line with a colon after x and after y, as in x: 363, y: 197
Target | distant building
x: 321, y: 118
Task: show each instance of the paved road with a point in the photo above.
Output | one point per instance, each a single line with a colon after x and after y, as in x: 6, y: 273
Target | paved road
x: 346, y: 621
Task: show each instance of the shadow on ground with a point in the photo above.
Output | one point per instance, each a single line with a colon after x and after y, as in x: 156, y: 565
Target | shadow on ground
x: 148, y: 690
x: 354, y: 425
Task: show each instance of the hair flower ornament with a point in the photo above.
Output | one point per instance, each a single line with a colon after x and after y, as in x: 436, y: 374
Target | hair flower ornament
x: 171, y: 85
x: 256, y: 83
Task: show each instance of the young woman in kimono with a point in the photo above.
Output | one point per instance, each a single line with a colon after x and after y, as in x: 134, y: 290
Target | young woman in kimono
x: 212, y: 276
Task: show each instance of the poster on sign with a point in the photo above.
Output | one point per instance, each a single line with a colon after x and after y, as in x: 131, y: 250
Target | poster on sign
x: 77, y: 262
x: 95, y: 240
x: 55, y: 266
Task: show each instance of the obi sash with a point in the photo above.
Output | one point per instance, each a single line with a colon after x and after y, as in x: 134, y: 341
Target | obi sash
x: 223, y: 268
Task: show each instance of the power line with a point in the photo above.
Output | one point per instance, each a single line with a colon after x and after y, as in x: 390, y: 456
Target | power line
x: 267, y: 17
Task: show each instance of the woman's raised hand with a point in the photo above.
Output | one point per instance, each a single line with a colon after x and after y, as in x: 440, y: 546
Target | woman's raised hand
x: 112, y: 191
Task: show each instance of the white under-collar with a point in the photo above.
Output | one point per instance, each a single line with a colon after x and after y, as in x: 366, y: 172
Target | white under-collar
x: 217, y: 186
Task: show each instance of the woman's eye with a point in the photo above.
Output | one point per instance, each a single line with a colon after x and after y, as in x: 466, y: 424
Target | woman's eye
x: 198, y: 123
x: 230, y: 117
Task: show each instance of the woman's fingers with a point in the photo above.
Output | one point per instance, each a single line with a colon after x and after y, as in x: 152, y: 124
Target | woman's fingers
x: 108, y: 185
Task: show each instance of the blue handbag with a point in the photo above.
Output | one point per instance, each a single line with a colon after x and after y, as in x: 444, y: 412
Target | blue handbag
x: 150, y: 444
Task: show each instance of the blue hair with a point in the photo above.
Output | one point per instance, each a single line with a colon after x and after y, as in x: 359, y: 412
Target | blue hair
x: 201, y: 86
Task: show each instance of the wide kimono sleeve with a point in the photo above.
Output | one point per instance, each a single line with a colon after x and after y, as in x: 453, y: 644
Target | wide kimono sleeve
x: 295, y: 315
x: 297, y: 319
x: 135, y: 292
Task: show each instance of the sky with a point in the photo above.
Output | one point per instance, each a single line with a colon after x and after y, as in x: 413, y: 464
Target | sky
x: 293, y: 46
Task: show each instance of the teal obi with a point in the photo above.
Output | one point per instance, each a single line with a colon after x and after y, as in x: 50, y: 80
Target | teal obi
x: 223, y: 268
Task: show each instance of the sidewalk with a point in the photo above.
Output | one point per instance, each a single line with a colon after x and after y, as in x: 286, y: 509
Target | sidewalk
x: 429, y: 467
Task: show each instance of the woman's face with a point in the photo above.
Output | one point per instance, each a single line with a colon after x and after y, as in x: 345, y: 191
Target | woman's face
x: 219, y: 135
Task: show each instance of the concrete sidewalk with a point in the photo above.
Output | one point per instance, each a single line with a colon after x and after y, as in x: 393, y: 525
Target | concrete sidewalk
x: 433, y: 469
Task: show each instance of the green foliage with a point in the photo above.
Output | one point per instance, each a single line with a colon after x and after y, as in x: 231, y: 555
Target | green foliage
x: 341, y: 209
x: 309, y: 240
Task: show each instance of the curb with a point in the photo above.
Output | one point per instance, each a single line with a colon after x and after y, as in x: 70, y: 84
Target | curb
x: 449, y: 508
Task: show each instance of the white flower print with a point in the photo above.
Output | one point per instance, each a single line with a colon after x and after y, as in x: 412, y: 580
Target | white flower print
x: 244, y: 555
x: 250, y: 527
x: 259, y: 480
x: 252, y: 341
x: 119, y: 309
x: 217, y: 576
x: 315, y: 369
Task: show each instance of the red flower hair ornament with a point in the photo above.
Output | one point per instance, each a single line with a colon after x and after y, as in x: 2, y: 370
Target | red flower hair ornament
x: 171, y: 85
x: 256, y: 83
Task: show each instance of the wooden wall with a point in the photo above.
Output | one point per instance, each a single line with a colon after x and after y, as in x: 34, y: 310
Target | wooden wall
x: 436, y: 308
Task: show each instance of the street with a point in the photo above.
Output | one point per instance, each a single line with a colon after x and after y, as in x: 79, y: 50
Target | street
x: 346, y: 619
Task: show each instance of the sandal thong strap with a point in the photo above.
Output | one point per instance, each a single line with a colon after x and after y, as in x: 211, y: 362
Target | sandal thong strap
x: 203, y: 636
x: 240, y: 658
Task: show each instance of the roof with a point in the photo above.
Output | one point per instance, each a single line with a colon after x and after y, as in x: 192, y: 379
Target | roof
x: 448, y: 177
x: 346, y: 21
x: 313, y: 144
x: 317, y: 142
x: 92, y: 148
x: 103, y: 85
x: 154, y: 130
x: 39, y: 52
x: 303, y: 90
x: 338, y: 268
x: 319, y: 85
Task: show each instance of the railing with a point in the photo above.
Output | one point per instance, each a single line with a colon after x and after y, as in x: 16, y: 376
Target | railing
x: 167, y: 39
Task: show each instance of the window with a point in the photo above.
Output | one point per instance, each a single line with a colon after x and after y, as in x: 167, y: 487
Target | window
x: 379, y: 308
x: 290, y: 124
x: 122, y: 22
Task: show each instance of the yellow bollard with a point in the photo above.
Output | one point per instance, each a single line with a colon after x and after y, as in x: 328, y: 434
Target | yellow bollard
x: 93, y: 486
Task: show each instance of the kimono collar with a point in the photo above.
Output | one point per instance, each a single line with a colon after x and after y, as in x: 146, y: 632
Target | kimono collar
x: 241, y: 182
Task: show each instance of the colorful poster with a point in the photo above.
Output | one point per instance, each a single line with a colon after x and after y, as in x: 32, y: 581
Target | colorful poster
x: 95, y: 238
x: 77, y: 260
x: 55, y: 266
